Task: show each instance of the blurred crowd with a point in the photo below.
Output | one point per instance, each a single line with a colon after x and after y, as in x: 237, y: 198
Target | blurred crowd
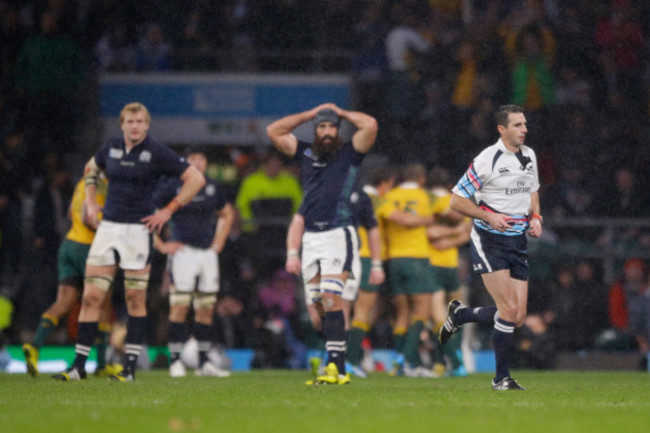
x: 431, y: 71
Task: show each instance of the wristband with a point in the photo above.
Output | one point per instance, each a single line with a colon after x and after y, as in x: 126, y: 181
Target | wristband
x: 292, y: 253
x: 539, y: 217
x: 174, y: 205
x: 376, y: 264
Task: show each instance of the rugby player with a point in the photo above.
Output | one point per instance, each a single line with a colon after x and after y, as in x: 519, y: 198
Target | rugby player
x: 329, y: 169
x: 199, y: 232
x: 406, y: 210
x: 71, y: 261
x: 133, y: 165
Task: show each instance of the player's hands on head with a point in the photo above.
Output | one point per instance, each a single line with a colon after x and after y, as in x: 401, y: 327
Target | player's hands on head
x: 327, y: 105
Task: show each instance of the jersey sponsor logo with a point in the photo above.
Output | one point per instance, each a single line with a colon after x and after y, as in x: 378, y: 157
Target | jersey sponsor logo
x: 504, y: 170
x: 521, y: 188
x: 478, y: 267
x: 145, y: 156
x: 127, y: 163
x: 210, y: 190
x: 318, y: 164
x: 115, y: 153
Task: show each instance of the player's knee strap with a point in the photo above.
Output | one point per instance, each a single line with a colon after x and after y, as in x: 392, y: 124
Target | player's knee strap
x: 135, y: 281
x: 313, y: 292
x: 104, y: 282
x: 204, y: 300
x: 180, y: 299
x: 332, y: 285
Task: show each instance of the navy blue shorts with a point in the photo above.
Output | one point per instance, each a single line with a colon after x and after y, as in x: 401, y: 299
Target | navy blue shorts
x: 494, y: 252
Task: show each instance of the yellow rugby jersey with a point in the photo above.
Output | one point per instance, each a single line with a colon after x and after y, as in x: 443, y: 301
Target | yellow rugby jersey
x: 440, y: 200
x: 404, y: 241
x: 79, y: 232
x: 364, y: 249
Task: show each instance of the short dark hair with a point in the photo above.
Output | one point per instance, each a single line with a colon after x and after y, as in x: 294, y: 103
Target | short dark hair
x: 414, y: 171
x: 438, y: 176
x: 380, y: 175
x: 504, y: 111
x: 189, y: 150
x: 271, y: 153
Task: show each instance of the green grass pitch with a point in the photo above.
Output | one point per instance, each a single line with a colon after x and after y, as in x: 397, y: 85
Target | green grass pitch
x: 279, y: 401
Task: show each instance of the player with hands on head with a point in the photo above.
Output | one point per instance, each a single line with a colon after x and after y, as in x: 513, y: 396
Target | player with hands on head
x: 329, y: 170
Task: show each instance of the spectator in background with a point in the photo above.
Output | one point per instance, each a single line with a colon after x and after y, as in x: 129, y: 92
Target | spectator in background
x: 49, y: 226
x: 66, y: 12
x: 640, y: 320
x: 50, y: 70
x: 624, y: 197
x: 566, y: 314
x: 620, y: 34
x: 12, y: 36
x: 153, y: 54
x: 573, y: 195
x: 15, y: 180
x: 535, y: 346
x: 277, y: 321
x: 370, y: 65
x: 404, y: 43
x: 193, y: 47
x: 533, y: 83
x: 579, y: 310
x: 266, y: 201
x: 625, y: 304
x: 115, y: 51
x: 593, y: 297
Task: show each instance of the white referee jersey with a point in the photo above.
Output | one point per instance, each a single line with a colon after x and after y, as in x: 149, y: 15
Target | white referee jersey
x: 501, y: 181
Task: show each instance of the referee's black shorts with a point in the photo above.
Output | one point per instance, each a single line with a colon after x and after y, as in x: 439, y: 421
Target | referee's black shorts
x: 494, y: 252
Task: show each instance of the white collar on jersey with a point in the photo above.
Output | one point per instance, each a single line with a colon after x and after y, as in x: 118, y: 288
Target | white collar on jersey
x: 370, y: 190
x: 409, y: 185
x: 502, y: 147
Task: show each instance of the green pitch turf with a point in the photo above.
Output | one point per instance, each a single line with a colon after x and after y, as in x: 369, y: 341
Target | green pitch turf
x: 278, y: 401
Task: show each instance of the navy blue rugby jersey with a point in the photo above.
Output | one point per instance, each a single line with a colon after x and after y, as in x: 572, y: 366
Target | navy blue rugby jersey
x: 132, y: 177
x: 195, y: 223
x: 363, y: 211
x: 327, y: 187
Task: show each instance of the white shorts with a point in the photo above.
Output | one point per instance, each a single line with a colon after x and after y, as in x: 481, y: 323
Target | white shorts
x: 131, y: 242
x: 354, y: 281
x: 331, y: 252
x: 189, y: 265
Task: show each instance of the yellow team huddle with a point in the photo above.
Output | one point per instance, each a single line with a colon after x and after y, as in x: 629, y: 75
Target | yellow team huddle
x: 420, y: 235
